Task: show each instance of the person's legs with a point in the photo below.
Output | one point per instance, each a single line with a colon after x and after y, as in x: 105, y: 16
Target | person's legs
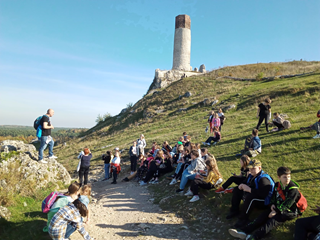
x: 259, y: 122
x: 43, y: 146
x: 70, y: 229
x: 178, y: 168
x: 81, y: 174
x: 149, y: 176
x: 209, y: 140
x: 106, y: 170
x: 306, y: 225
x: 86, y: 173
x: 135, y: 160
x: 256, y: 223
x: 185, y: 177
x: 115, y: 175
x: 251, y: 201
x: 236, y: 199
x: 278, y: 125
x: 131, y: 163
x: 51, y: 144
x: 266, y: 123
x: 233, y: 179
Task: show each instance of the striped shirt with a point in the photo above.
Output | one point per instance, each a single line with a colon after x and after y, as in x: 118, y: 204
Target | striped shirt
x: 59, y: 222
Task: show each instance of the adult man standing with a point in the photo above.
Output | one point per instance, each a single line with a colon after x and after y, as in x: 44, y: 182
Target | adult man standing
x: 46, y: 139
x: 256, y: 192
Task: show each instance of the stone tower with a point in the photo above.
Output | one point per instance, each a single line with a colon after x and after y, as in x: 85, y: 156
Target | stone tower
x: 182, y: 43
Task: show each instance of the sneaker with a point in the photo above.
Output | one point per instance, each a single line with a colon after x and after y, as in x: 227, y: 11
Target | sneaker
x: 179, y: 190
x: 195, y: 198
x: 105, y: 179
x: 155, y: 182
x: 220, y: 190
x: 189, y: 193
x: 42, y: 161
x: 208, y: 144
x: 204, y: 143
x: 214, y: 143
x: 151, y: 181
x: 143, y: 183
x: 53, y: 157
x: 237, y: 233
x: 114, y: 182
x: 174, y: 181
x: 228, y: 190
x: 316, y: 136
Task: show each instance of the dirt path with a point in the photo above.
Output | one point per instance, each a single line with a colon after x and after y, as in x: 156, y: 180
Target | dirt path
x: 125, y: 211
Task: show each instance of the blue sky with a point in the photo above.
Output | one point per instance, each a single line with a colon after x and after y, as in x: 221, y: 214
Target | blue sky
x: 84, y: 58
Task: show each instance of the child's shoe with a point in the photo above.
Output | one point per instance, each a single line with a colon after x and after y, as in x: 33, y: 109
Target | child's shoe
x: 214, y: 143
x: 173, y: 181
x: 220, y: 190
x: 195, y: 198
x: 228, y: 190
x: 237, y: 233
x: 250, y: 237
x: 155, y: 181
x: 189, y: 193
x: 208, y: 144
x: 151, y: 181
x: 316, y: 136
x: 143, y: 183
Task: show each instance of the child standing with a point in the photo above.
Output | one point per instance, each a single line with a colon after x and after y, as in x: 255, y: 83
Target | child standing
x: 283, y: 208
x: 237, y: 179
x: 210, y: 121
x: 107, y: 158
x: 264, y: 109
x: 133, y: 157
x: 216, y: 121
x: 211, y: 180
x: 222, y: 118
x: 115, y: 166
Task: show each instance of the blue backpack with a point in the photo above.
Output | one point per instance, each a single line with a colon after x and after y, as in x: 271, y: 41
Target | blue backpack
x: 37, y: 126
x: 256, y: 181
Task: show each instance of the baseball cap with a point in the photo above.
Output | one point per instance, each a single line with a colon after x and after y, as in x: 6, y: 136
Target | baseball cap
x: 254, y: 163
x: 116, y: 149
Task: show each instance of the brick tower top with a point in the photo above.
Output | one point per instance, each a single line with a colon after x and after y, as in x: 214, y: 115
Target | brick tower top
x: 183, y: 21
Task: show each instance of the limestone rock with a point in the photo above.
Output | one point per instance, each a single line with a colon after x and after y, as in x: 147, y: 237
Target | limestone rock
x: 203, y: 69
x: 188, y: 94
x: 215, y: 102
x: 196, y: 69
x: 206, y: 101
x: 182, y: 109
x: 20, y: 146
x: 231, y: 107
x: 5, y: 213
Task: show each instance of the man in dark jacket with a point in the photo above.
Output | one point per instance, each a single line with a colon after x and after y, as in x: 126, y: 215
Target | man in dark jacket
x: 257, y: 192
x: 283, y: 208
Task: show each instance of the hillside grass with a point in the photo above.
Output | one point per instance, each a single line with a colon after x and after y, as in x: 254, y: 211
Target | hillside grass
x: 298, y: 97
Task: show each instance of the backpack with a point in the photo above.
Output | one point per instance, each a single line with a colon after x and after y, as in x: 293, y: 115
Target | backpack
x: 256, y: 181
x: 302, y: 203
x: 286, y: 124
x: 246, y: 145
x: 49, y: 201
x: 36, y: 122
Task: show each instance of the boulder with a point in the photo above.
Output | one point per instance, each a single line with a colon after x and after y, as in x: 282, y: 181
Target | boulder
x: 206, y: 101
x: 188, y: 94
x: 215, y: 102
x: 231, y: 107
x: 11, y: 145
x: 5, y: 213
x: 196, y: 69
x: 202, y: 69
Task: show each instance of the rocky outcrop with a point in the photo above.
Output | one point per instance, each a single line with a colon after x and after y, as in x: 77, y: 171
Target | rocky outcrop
x: 28, y: 168
x: 164, y: 78
x: 5, y: 213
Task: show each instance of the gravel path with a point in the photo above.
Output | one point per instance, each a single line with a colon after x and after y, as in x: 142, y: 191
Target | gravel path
x: 125, y: 211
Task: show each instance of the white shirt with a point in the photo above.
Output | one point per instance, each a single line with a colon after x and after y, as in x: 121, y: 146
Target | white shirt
x: 116, y: 160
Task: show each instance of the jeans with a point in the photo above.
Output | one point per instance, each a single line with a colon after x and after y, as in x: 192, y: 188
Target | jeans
x: 106, y: 170
x: 178, y: 168
x: 83, y: 172
x: 185, y: 177
x: 305, y: 226
x: 70, y: 229
x: 43, y: 146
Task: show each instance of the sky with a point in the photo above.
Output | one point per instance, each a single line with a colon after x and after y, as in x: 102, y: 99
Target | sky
x: 84, y: 58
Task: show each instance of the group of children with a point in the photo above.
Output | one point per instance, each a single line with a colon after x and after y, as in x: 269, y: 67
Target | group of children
x: 67, y: 213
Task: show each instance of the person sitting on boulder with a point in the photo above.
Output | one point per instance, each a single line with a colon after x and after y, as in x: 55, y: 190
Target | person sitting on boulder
x: 283, y: 208
x: 256, y: 192
x: 69, y: 219
x: 315, y: 127
x: 215, y: 138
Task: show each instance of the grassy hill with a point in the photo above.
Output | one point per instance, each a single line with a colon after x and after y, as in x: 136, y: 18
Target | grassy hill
x: 165, y: 114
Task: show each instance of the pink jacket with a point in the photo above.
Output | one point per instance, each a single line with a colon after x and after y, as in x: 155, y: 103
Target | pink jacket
x: 216, y: 122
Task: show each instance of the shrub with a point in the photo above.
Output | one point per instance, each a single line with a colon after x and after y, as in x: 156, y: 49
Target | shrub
x: 259, y: 76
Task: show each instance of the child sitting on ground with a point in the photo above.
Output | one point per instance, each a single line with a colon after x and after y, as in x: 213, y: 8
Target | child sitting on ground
x: 278, y: 122
x: 215, y: 138
x: 153, y: 167
x: 283, y: 208
x: 143, y: 167
x: 315, y: 127
x: 212, y: 179
x: 237, y: 179
x: 254, y: 147
x: 187, y: 141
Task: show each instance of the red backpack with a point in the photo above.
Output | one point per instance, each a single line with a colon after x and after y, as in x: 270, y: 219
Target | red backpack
x: 302, y: 203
